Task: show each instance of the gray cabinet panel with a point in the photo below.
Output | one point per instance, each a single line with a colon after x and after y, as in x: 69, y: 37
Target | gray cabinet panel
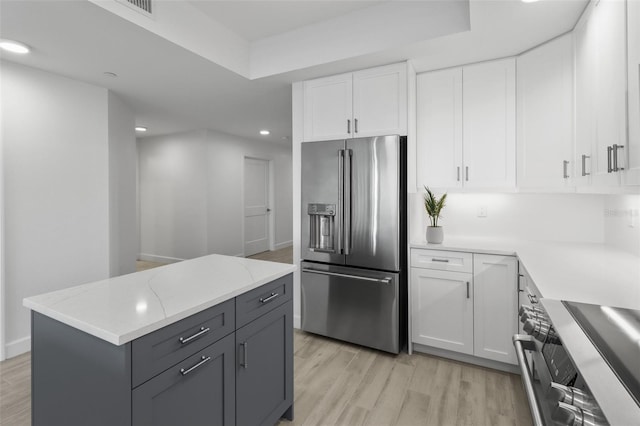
x: 261, y: 300
x: 204, y: 396
x: 157, y: 351
x: 77, y: 379
x: 264, y: 379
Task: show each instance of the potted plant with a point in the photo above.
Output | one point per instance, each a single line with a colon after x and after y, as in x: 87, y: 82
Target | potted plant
x: 434, y: 207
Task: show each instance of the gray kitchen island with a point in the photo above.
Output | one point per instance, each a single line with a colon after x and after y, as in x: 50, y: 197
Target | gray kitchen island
x: 204, y: 341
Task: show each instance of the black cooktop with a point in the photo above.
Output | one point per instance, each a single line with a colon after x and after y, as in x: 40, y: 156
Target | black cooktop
x: 615, y: 332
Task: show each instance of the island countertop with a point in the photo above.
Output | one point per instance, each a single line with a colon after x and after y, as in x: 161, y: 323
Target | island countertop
x: 123, y: 308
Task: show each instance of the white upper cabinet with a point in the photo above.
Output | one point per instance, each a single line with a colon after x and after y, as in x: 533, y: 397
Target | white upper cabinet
x: 328, y: 108
x: 601, y: 80
x: 365, y: 103
x: 632, y: 176
x: 466, y: 127
x: 439, y: 127
x: 545, y: 116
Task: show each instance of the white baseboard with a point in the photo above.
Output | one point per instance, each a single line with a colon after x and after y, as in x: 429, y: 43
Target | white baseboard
x: 18, y: 347
x: 283, y: 245
x: 161, y: 259
x: 469, y: 359
x: 297, y: 322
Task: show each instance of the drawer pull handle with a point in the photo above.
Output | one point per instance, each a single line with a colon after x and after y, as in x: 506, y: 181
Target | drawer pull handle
x: 270, y: 298
x: 435, y: 259
x: 532, y: 298
x: 467, y: 289
x: 203, y: 361
x: 202, y: 331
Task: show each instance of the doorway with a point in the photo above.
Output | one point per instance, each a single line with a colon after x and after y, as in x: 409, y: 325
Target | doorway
x: 257, y: 201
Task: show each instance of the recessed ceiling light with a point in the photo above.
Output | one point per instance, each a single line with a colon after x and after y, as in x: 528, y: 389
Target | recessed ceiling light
x: 264, y: 132
x: 14, y: 46
x: 529, y: 1
x: 141, y: 129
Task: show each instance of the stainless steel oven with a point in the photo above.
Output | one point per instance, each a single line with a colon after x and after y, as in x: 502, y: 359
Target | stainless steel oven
x: 580, y: 363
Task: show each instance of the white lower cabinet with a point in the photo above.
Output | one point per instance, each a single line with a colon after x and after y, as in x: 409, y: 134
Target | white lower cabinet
x: 442, y: 307
x: 473, y: 313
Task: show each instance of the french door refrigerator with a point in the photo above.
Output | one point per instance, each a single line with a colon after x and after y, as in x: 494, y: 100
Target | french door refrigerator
x: 353, y: 273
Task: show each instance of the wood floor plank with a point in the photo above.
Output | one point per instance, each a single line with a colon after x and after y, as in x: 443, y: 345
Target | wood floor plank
x: 374, y: 381
x: 414, y: 410
x: 387, y: 407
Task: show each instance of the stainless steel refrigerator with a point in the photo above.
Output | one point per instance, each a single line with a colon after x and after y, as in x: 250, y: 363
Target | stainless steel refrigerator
x: 353, y: 276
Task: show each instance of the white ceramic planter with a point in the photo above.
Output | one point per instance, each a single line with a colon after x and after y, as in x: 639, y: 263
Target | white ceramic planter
x: 435, y: 234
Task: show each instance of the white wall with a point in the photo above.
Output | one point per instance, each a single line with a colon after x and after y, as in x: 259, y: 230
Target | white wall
x: 622, y: 222
x: 123, y: 162
x: 56, y: 172
x: 191, y: 193
x: 548, y: 217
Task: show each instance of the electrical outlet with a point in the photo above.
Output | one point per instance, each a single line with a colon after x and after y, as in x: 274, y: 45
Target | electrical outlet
x: 482, y: 211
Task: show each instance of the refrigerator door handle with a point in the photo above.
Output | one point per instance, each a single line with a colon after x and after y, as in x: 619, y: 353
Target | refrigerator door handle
x: 346, y: 227
x: 386, y: 280
x: 340, y: 212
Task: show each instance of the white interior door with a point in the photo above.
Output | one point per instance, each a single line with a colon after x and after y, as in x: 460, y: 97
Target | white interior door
x: 256, y: 206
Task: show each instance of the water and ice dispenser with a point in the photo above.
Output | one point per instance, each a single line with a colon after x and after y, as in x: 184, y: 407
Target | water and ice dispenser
x: 322, y: 227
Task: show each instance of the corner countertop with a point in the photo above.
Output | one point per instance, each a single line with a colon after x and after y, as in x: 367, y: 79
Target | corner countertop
x: 580, y: 272
x: 124, y: 308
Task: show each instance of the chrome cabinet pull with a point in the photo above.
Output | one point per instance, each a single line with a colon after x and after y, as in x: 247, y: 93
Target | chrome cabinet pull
x: 244, y: 363
x: 584, y: 165
x: 532, y: 298
x: 458, y: 174
x: 355, y: 125
x: 466, y: 172
x: 609, y: 152
x: 269, y: 298
x: 467, y: 289
x: 565, y: 165
x: 435, y: 259
x: 348, y: 126
x: 615, y: 148
x: 203, y: 361
x: 386, y: 280
x: 202, y: 331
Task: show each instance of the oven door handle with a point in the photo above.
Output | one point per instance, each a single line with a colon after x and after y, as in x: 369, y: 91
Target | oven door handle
x: 524, y: 342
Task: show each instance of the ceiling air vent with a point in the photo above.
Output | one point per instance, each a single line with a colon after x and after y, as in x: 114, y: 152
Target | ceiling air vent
x: 142, y: 6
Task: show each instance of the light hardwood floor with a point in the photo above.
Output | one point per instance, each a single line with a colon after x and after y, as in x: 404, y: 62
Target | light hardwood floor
x: 338, y: 383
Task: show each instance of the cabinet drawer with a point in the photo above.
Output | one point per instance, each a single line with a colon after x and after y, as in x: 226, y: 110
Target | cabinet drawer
x: 263, y: 299
x: 442, y: 260
x: 157, y: 351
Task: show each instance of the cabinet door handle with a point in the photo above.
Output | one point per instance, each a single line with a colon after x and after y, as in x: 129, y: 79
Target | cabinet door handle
x: 244, y: 363
x: 355, y: 125
x: 203, y: 361
x: 532, y: 298
x: 348, y: 126
x: 609, y: 152
x: 468, y: 289
x: 203, y: 331
x: 269, y: 299
x: 565, y: 165
x: 466, y: 173
x: 435, y: 259
x: 584, y: 165
x: 458, y: 174
x: 615, y: 157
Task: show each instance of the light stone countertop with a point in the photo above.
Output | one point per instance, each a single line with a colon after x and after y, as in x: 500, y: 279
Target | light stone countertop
x: 580, y: 272
x: 124, y: 308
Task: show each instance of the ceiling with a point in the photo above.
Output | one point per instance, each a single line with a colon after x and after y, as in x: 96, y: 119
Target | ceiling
x: 173, y: 87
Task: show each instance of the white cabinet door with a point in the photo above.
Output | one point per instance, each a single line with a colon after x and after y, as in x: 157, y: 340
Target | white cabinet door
x: 545, y: 116
x: 442, y: 309
x: 380, y: 101
x: 495, y: 305
x: 611, y: 77
x: 439, y: 129
x: 328, y: 108
x: 585, y: 98
x: 489, y: 135
x: 632, y: 175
